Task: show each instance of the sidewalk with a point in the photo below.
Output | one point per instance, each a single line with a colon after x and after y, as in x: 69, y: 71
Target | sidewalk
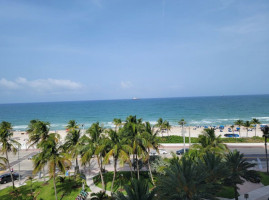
x: 93, y: 187
x: 258, y: 194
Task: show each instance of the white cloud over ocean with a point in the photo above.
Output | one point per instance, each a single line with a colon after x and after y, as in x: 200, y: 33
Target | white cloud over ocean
x: 126, y: 84
x: 39, y: 85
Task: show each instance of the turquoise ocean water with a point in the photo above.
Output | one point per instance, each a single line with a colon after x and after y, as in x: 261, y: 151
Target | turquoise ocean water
x: 220, y: 110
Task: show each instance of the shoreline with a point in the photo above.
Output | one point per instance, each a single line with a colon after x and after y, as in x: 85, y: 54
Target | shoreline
x: 192, y: 131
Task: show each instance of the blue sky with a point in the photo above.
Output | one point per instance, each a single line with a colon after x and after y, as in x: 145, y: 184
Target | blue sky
x: 114, y: 49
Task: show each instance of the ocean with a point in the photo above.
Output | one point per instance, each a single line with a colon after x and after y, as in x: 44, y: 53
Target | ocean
x: 219, y: 110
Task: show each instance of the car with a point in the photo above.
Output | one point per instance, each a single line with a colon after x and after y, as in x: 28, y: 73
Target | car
x: 30, y: 157
x: 162, y: 151
x: 5, y: 178
x: 181, y: 151
x: 154, y: 152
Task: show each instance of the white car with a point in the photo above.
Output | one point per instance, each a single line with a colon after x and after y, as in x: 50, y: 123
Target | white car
x: 154, y: 152
x: 162, y: 151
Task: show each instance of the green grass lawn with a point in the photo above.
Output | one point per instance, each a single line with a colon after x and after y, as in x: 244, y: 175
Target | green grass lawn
x: 122, y: 178
x: 265, y: 178
x: 68, y: 190
x: 179, y: 139
x: 226, y: 192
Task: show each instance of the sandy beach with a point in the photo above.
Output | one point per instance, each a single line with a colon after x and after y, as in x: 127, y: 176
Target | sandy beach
x: 192, y: 131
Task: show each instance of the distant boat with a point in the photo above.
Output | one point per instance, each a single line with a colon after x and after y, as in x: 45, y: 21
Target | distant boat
x: 134, y: 98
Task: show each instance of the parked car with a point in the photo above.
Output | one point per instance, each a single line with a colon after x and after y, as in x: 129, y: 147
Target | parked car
x: 162, y: 151
x: 181, y: 151
x: 5, y: 178
x: 154, y: 152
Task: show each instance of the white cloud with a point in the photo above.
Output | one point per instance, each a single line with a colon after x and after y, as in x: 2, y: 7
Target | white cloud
x: 126, y: 84
x: 8, y: 84
x: 40, y: 85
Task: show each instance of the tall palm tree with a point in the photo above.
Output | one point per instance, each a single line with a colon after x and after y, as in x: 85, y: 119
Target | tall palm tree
x: 255, y: 121
x: 208, y: 141
x: 239, y: 123
x: 265, y: 131
x: 247, y: 125
x: 38, y: 131
x: 167, y: 126
x: 71, y: 144
x: 240, y: 170
x: 72, y: 124
x: 53, y: 155
x: 151, y: 142
x: 133, y: 129
x: 8, y: 144
x: 160, y: 125
x: 117, y: 122
x: 182, y: 122
x: 98, y: 145
x: 232, y: 127
x: 118, y: 150
x: 138, y: 190
x: 184, y: 180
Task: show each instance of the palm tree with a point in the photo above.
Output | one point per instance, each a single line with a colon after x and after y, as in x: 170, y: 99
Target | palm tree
x: 3, y: 162
x: 184, y: 180
x: 53, y: 155
x: 232, y: 127
x: 151, y: 142
x: 98, y: 146
x: 182, y: 122
x: 167, y: 126
x: 71, y: 144
x: 133, y: 130
x: 100, y: 196
x: 255, y: 121
x: 208, y: 141
x: 160, y: 125
x: 239, y: 123
x: 117, y: 122
x: 247, y: 125
x: 118, y: 149
x: 265, y: 131
x: 38, y: 131
x: 240, y: 170
x: 8, y: 144
x: 138, y: 190
x: 72, y: 124
x: 216, y: 170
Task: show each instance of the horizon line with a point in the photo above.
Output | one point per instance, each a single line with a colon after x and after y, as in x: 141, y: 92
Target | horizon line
x: 138, y: 98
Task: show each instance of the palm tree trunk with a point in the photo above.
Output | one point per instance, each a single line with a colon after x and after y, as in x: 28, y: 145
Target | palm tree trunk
x: 11, y: 173
x: 137, y: 167
x: 247, y: 132
x: 150, y: 173
x: 235, y: 193
x: 255, y: 129
x: 266, y: 154
x: 44, y: 174
x: 54, y: 183
x: 77, y: 167
x: 101, y: 174
x: 114, y: 175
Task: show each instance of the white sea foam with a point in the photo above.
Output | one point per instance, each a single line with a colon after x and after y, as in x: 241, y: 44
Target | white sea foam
x: 262, y: 118
x: 20, y: 127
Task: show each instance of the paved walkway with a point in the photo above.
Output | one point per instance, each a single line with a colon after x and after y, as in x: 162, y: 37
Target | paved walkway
x: 258, y: 194
x: 93, y: 187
